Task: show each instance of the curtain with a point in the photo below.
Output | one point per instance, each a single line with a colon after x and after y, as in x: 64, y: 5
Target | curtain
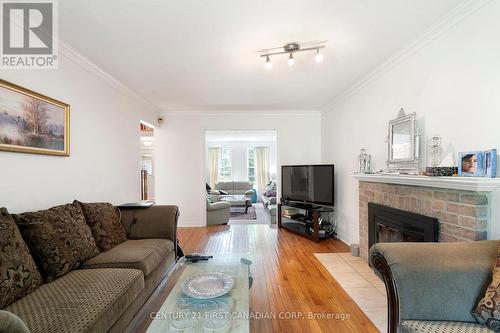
x: 213, y: 165
x: 261, y: 168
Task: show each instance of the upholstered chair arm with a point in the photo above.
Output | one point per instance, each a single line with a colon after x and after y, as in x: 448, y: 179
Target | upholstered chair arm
x: 433, y: 281
x: 216, y: 197
x: 218, y: 206
x: 10, y: 323
x: 157, y: 221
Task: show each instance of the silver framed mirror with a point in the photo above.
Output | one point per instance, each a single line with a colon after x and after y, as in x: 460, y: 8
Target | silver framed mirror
x: 403, y: 144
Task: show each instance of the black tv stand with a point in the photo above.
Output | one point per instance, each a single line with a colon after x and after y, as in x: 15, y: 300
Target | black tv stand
x: 303, y: 218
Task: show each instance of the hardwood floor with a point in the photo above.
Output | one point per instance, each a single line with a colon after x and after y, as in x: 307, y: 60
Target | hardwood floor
x: 291, y: 281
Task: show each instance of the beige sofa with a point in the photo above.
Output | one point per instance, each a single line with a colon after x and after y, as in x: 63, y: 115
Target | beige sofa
x: 270, y: 206
x: 245, y: 188
x: 433, y: 287
x: 107, y: 291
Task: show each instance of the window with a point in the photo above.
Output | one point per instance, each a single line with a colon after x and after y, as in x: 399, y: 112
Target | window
x: 225, y: 165
x: 251, y: 165
x: 147, y: 163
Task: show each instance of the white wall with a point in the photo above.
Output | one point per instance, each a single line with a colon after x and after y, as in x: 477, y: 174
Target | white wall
x: 452, y: 83
x: 180, y: 143
x: 239, y: 150
x: 104, y: 142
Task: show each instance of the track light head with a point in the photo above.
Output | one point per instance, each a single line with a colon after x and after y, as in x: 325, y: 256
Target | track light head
x: 291, y: 60
x: 269, y: 64
x: 318, y: 56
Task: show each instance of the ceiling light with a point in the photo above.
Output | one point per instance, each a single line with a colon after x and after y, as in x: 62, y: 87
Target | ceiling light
x: 319, y: 56
x: 269, y: 64
x: 291, y: 48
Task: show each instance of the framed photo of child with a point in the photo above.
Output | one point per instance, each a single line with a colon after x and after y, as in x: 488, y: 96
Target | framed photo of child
x: 490, y: 163
x: 471, y: 164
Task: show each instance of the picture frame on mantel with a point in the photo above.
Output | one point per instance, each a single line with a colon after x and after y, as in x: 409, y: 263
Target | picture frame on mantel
x: 478, y: 163
x: 490, y: 163
x: 31, y: 122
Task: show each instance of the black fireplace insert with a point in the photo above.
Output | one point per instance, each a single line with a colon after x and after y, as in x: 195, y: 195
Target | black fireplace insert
x: 387, y: 224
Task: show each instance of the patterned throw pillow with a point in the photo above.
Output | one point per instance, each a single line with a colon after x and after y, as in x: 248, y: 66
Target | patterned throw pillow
x: 59, y: 238
x: 18, y: 273
x: 104, y: 221
x: 487, y: 311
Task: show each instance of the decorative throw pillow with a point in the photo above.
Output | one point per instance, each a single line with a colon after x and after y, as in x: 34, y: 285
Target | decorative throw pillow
x: 487, y: 312
x: 59, y: 239
x: 104, y: 221
x: 270, y: 194
x: 19, y: 275
x: 223, y: 192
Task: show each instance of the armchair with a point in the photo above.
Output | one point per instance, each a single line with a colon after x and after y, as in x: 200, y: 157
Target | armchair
x: 433, y: 287
x: 217, y: 212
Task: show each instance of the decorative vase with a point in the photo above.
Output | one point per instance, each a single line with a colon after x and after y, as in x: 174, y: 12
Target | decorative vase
x: 435, y: 151
x: 364, y: 160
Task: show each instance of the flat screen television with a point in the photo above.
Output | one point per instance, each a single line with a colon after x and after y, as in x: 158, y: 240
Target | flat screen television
x: 308, y: 183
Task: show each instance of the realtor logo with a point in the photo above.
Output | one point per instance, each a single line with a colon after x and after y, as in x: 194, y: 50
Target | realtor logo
x: 29, y: 34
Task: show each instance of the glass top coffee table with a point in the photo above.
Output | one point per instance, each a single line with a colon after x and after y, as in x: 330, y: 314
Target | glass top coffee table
x: 238, y: 200
x: 231, y: 312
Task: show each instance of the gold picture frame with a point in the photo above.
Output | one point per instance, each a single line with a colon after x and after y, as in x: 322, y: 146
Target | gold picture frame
x: 31, y: 122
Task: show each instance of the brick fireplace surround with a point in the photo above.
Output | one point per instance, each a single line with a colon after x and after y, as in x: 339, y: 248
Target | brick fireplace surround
x: 463, y: 215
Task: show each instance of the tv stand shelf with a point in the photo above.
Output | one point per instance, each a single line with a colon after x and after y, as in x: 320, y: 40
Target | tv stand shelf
x: 304, y: 220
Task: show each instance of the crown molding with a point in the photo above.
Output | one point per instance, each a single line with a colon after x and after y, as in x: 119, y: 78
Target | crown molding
x: 245, y: 113
x: 459, y: 13
x: 84, y: 62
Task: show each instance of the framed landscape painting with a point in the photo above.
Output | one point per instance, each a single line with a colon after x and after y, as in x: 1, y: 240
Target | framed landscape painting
x: 31, y: 122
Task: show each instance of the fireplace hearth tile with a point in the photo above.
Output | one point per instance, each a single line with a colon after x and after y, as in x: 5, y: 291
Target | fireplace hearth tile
x: 364, y: 288
x: 351, y: 280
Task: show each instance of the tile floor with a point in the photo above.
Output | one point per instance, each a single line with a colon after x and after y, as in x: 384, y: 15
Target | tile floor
x: 362, y: 285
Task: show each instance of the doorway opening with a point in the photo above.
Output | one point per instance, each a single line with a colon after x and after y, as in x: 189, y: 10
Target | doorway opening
x: 147, y: 161
x: 241, y: 176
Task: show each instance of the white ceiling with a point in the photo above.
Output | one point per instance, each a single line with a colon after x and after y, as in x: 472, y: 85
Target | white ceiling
x: 202, y: 54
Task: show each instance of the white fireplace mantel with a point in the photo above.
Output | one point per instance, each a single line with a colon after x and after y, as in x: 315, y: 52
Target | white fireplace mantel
x: 475, y: 184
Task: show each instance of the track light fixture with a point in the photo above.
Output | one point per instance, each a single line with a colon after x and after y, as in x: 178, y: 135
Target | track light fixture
x: 290, y: 49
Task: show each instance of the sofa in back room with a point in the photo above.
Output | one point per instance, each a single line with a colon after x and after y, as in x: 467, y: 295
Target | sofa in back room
x: 268, y: 199
x: 244, y: 188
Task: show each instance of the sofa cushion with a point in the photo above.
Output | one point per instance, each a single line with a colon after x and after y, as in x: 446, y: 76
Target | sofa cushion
x: 104, y: 221
x: 19, y: 275
x: 142, y: 254
x: 487, y: 311
x: 418, y: 326
x: 272, y: 210
x: 59, y: 238
x: 88, y: 300
x: 242, y: 186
